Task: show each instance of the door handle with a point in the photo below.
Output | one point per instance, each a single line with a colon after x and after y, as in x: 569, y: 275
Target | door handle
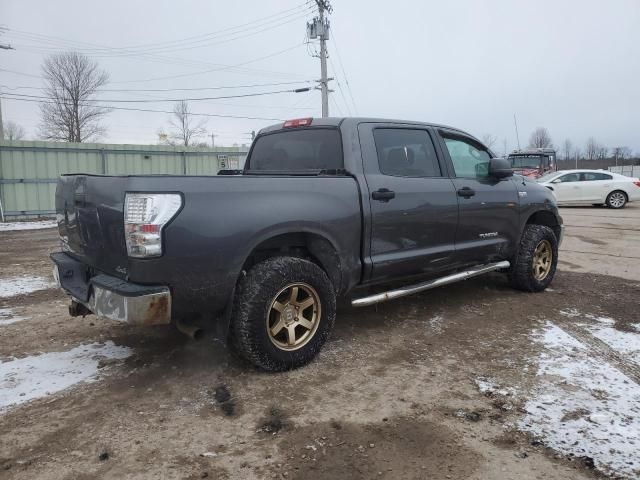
x: 383, y: 194
x: 466, y: 192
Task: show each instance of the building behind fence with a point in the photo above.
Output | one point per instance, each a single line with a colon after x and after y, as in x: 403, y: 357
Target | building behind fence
x: 29, y: 170
x: 628, y: 170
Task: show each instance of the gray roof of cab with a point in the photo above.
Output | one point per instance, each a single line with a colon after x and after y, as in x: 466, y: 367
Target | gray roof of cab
x: 336, y: 121
x: 533, y: 151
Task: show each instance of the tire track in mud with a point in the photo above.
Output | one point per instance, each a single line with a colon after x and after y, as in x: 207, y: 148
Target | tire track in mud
x: 603, y: 351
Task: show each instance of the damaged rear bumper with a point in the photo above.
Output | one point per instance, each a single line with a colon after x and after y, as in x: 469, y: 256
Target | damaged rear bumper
x: 112, y: 297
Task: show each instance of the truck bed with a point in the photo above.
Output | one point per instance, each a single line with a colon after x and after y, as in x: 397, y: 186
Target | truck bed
x: 222, y: 220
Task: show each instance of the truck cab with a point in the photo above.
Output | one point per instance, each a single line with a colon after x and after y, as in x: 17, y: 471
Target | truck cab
x: 533, y: 162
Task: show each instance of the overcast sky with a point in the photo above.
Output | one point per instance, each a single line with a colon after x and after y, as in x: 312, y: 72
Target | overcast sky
x: 572, y: 66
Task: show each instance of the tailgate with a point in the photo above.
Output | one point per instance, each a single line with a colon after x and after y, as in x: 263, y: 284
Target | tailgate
x: 90, y: 220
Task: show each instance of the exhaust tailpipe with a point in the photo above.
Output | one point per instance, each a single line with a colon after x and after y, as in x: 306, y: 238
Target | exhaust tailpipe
x: 191, y: 331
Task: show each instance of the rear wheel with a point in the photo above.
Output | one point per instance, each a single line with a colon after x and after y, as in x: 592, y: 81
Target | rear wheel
x: 535, y: 265
x: 617, y: 199
x: 283, y: 313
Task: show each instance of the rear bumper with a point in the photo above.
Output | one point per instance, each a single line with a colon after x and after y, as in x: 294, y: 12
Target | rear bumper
x: 111, y: 297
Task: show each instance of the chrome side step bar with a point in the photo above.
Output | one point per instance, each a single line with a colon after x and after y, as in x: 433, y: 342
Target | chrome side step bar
x: 428, y: 285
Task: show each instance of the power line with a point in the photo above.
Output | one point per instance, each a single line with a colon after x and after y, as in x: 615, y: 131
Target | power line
x: 195, y: 99
x: 20, y: 73
x: 344, y: 73
x: 340, y: 88
x: 336, y: 105
x: 220, y: 67
x: 149, y: 47
x: 223, y: 87
x: 153, y: 54
x: 223, y: 67
x: 149, y: 110
x: 173, y: 60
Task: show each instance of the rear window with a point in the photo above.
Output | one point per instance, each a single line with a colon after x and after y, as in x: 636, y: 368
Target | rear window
x: 303, y: 149
x: 591, y: 176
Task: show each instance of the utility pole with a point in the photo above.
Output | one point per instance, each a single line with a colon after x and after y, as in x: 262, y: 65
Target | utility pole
x: 213, y: 142
x: 515, y: 122
x: 1, y: 126
x: 3, y: 47
x: 319, y: 28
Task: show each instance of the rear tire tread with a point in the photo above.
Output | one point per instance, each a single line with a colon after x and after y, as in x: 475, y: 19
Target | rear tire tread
x: 248, y: 333
x: 521, y: 271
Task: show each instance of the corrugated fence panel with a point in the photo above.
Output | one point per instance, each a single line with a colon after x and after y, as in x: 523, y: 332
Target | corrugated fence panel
x: 29, y: 170
x: 628, y: 170
x: 202, y: 165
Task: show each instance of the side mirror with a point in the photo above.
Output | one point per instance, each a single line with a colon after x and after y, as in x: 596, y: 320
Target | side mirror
x: 557, y: 180
x: 500, y: 168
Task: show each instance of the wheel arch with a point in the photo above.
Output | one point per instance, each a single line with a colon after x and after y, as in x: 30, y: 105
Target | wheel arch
x: 546, y: 218
x: 305, y: 244
x: 621, y: 190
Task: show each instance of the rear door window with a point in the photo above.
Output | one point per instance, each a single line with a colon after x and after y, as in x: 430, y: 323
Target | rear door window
x: 570, y: 177
x: 593, y: 176
x: 404, y: 152
x: 297, y: 150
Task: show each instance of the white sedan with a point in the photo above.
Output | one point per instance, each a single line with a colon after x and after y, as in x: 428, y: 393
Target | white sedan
x: 591, y: 187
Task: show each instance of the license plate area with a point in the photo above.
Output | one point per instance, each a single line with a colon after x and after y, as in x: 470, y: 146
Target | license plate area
x: 72, y: 275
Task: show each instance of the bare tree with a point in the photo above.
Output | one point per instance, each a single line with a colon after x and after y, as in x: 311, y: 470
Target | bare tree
x: 540, y: 138
x: 13, y: 131
x: 591, y: 149
x: 69, y: 114
x: 489, y: 140
x: 187, y: 129
x: 567, y: 146
x: 602, y: 152
x: 621, y: 153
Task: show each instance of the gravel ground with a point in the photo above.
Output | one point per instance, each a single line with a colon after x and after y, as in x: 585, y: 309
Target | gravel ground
x: 470, y: 381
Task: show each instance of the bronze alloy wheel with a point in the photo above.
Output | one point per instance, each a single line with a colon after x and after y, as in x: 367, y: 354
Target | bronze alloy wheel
x: 542, y: 260
x: 294, y: 316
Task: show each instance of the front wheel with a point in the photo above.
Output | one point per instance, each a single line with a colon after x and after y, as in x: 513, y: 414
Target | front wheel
x: 284, y: 310
x: 616, y: 199
x: 534, y: 267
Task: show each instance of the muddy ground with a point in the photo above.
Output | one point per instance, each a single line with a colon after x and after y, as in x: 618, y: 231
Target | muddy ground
x: 432, y: 386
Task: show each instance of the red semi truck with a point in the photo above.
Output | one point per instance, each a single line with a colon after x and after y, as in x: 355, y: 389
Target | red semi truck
x: 533, y: 162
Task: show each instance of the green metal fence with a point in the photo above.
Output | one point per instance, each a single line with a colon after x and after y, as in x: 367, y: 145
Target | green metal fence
x: 29, y: 170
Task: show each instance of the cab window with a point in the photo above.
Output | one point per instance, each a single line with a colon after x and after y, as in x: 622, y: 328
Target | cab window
x: 404, y: 152
x: 469, y: 158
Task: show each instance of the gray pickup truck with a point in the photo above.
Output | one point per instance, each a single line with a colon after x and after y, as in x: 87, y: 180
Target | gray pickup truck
x: 324, y: 208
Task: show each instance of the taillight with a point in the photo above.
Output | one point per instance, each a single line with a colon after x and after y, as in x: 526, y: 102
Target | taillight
x: 637, y: 184
x: 297, y: 122
x: 145, y: 215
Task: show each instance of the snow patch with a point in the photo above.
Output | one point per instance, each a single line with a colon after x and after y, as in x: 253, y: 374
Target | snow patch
x: 570, y: 312
x: 436, y: 323
x: 7, y: 317
x: 10, y: 287
x: 37, y: 376
x: 584, y: 406
x: 574, y: 312
x: 38, y: 225
x: 627, y: 343
x: 490, y: 386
